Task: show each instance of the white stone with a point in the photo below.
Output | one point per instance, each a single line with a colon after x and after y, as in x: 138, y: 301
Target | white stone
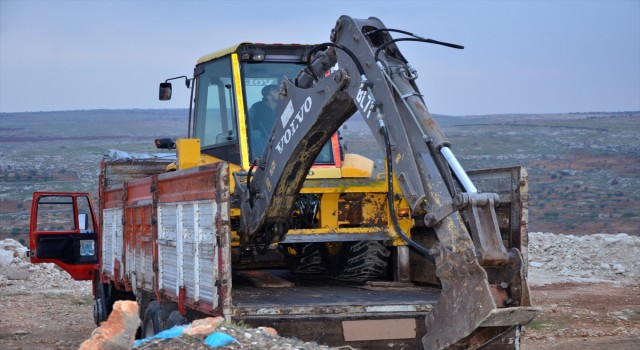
x: 6, y: 257
x: 611, y: 240
x: 619, y: 268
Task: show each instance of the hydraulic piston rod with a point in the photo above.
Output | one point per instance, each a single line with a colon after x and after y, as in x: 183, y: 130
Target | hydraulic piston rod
x: 465, y: 181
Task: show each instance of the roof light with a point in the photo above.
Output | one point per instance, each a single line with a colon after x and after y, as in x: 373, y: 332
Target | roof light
x: 257, y: 55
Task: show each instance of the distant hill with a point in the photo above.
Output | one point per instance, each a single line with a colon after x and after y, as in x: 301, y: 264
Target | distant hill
x: 584, y: 168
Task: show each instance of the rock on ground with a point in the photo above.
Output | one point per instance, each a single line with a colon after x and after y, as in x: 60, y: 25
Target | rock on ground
x: 118, y: 332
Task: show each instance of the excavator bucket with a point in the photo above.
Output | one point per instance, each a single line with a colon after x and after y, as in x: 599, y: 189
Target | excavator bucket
x: 468, y: 304
x: 482, y: 305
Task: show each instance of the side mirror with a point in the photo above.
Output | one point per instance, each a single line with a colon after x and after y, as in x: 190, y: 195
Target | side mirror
x: 165, y: 91
x: 165, y: 143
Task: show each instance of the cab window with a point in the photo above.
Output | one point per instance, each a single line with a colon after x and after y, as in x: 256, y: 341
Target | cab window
x: 215, y: 122
x: 261, y: 83
x: 56, y: 213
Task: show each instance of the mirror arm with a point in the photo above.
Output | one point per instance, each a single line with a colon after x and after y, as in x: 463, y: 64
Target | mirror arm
x: 187, y: 81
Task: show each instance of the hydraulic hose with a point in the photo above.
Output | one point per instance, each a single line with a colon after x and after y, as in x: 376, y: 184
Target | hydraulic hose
x: 309, y: 75
x: 392, y: 211
x: 249, y: 174
x: 428, y: 41
x: 338, y: 46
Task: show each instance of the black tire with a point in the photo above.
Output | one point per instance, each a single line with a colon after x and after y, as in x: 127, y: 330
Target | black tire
x: 103, y: 304
x: 98, y: 312
x: 307, y: 259
x: 176, y: 319
x: 156, y: 318
x: 357, y: 261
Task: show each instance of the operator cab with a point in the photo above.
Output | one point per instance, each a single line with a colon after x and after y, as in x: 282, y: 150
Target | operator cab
x: 236, y: 101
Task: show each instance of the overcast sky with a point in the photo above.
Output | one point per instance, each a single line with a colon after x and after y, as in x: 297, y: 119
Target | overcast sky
x: 519, y: 56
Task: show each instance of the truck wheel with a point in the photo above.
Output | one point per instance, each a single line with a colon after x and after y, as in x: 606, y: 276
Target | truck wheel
x: 156, y: 318
x: 102, y: 304
x: 357, y: 261
x: 98, y: 311
x: 306, y: 260
x: 176, y: 319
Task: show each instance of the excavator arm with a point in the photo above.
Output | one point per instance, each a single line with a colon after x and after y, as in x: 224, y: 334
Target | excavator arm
x: 484, y: 292
x: 307, y: 118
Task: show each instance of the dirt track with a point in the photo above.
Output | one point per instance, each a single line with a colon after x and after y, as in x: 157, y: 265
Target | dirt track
x: 575, y: 316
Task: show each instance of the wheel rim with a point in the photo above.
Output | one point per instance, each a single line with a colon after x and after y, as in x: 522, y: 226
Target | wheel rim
x: 148, y: 330
x: 97, y: 311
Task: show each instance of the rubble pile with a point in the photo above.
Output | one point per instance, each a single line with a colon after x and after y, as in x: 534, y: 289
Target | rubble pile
x: 596, y: 258
x: 18, y: 275
x: 213, y: 332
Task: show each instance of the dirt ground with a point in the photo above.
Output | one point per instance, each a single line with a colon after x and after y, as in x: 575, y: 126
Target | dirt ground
x: 45, y: 320
x: 585, y: 316
x: 575, y: 316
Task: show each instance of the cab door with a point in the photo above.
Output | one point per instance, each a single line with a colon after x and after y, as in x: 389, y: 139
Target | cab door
x: 63, y: 231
